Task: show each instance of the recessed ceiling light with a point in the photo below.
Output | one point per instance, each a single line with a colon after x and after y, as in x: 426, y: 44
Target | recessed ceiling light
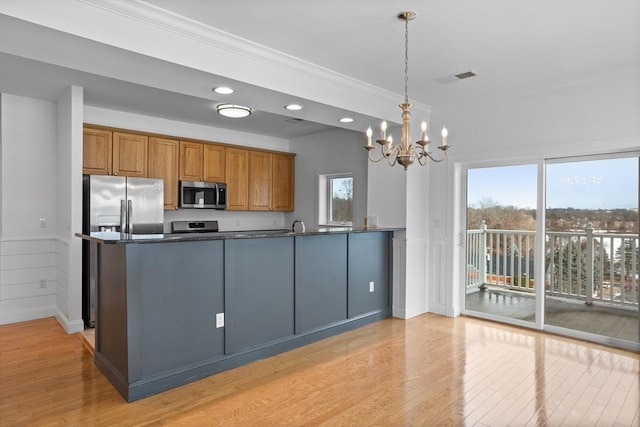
x: 346, y: 120
x: 232, y: 110
x: 293, y: 107
x: 223, y: 90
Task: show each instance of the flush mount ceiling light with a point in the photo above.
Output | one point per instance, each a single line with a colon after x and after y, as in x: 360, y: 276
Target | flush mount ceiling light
x: 233, y: 110
x: 223, y: 90
x: 346, y: 120
x: 405, y: 153
x: 293, y: 107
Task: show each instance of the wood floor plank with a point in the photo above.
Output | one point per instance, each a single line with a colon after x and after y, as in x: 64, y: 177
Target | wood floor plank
x: 429, y: 370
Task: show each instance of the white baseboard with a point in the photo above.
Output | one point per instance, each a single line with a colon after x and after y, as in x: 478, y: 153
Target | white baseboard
x: 398, y: 312
x: 402, y: 313
x: 71, y: 327
x: 439, y: 309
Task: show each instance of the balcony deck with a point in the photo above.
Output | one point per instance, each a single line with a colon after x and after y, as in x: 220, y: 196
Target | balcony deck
x: 601, y: 319
x: 590, y: 278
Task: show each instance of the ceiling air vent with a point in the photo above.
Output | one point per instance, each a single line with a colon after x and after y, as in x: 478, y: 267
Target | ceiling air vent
x: 456, y: 77
x: 466, y: 74
x: 295, y: 120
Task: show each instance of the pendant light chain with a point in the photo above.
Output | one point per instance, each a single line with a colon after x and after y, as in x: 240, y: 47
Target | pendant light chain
x: 406, y: 61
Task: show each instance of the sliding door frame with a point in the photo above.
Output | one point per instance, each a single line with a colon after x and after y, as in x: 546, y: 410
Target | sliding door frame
x: 539, y: 257
x: 538, y: 322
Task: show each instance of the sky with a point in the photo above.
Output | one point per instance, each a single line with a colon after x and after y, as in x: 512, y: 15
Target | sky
x: 593, y: 184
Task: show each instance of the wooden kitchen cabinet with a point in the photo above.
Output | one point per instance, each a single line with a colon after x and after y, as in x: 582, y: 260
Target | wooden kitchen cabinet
x: 97, y: 149
x: 257, y: 180
x: 130, y: 154
x: 260, y: 180
x: 213, y: 163
x: 282, y: 193
x: 105, y: 152
x: 271, y: 178
x: 202, y: 162
x: 190, y: 161
x: 237, y: 178
x: 163, y: 163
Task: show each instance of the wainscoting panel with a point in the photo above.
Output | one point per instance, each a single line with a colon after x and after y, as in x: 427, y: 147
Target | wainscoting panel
x: 437, y: 282
x: 27, y: 279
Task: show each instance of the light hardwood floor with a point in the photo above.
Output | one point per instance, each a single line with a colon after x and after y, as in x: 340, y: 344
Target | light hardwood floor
x: 429, y: 370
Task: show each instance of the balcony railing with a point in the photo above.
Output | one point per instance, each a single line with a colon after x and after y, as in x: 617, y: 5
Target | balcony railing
x: 583, y: 265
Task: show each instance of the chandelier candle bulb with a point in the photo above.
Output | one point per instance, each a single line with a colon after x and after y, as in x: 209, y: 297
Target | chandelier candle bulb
x: 445, y: 133
x: 369, y: 133
x: 383, y: 130
x: 423, y: 126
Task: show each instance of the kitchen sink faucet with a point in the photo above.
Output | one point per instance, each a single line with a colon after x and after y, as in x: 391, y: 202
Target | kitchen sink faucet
x: 293, y: 226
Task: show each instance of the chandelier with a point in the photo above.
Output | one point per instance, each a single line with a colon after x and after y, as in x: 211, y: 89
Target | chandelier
x: 405, y: 153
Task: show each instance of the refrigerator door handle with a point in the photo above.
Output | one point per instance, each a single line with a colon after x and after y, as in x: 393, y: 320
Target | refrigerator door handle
x: 130, y: 216
x: 123, y: 217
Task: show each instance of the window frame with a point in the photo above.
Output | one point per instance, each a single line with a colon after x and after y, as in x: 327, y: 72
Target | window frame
x: 325, y: 199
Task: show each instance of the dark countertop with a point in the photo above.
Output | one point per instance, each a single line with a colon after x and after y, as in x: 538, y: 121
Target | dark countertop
x: 115, y: 237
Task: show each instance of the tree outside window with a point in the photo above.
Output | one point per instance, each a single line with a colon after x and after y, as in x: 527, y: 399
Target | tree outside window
x: 340, y: 203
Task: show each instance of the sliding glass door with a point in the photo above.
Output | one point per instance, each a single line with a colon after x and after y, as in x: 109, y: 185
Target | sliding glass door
x: 501, y: 228
x: 591, y: 261
x: 584, y: 279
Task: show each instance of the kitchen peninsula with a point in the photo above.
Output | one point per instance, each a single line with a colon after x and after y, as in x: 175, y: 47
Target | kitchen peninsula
x: 172, y: 309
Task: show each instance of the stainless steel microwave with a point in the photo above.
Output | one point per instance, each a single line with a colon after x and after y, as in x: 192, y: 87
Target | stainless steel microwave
x: 203, y: 195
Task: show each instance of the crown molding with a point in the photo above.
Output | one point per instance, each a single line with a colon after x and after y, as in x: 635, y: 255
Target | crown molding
x: 154, y: 32
x: 186, y: 28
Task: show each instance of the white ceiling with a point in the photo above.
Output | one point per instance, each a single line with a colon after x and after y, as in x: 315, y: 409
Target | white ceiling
x: 516, y: 47
x: 513, y: 45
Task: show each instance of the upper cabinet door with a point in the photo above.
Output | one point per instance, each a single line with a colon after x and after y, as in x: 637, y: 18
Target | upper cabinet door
x: 237, y: 178
x: 130, y: 154
x: 260, y: 181
x: 190, y: 161
x: 214, y: 163
x: 163, y: 163
x: 96, y: 151
x: 283, y: 182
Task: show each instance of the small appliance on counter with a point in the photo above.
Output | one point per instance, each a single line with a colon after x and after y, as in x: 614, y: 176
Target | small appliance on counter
x: 117, y: 204
x: 203, y: 195
x: 194, y: 227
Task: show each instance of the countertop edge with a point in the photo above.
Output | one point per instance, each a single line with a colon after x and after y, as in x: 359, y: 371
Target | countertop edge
x: 123, y: 238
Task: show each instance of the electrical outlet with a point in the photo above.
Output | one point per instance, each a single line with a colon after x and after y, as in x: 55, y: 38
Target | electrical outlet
x: 42, y: 222
x: 43, y: 283
x: 371, y: 286
x: 220, y: 320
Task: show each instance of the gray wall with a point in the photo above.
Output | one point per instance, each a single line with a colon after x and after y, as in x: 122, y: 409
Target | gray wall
x: 334, y: 151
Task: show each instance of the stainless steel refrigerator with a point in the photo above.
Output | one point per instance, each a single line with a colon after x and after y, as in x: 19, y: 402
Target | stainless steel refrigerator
x: 116, y: 204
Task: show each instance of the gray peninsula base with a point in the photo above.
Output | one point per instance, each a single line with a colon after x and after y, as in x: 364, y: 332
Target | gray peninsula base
x: 160, y: 303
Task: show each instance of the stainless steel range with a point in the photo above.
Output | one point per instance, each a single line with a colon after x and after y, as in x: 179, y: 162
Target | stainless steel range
x: 194, y: 227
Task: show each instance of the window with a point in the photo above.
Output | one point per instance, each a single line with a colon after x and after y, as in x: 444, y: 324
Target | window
x: 336, y: 199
